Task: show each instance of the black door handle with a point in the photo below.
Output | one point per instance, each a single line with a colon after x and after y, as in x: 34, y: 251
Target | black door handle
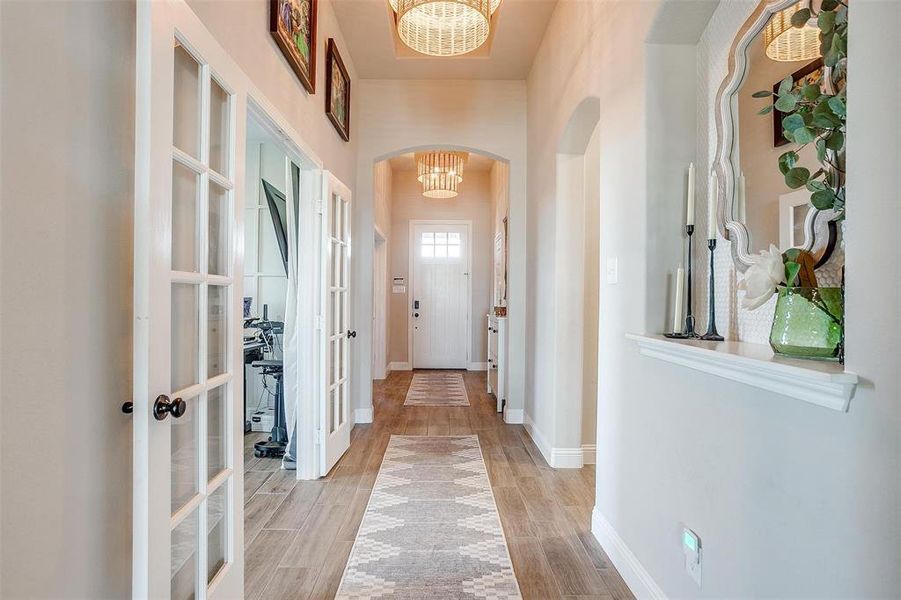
x: 351, y: 334
x: 128, y: 408
x: 163, y: 407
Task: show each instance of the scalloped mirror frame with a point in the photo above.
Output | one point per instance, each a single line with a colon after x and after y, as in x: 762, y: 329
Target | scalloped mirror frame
x: 820, y: 230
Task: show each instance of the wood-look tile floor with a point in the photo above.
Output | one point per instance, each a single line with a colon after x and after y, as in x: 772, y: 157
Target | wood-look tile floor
x: 298, y: 534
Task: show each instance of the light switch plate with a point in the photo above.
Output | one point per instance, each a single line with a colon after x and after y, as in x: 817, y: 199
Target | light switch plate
x: 691, y: 548
x: 612, y: 271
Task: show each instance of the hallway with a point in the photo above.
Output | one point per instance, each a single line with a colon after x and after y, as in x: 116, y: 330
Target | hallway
x: 299, y: 534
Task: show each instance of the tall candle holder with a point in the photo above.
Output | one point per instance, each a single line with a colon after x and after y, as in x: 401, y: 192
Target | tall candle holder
x: 711, y: 334
x: 689, y: 329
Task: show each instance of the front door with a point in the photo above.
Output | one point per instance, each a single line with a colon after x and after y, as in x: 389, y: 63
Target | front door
x: 187, y: 480
x: 440, y: 310
x: 335, y: 423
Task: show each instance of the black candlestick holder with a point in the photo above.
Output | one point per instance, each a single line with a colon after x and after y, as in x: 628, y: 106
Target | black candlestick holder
x: 711, y: 334
x: 689, y: 329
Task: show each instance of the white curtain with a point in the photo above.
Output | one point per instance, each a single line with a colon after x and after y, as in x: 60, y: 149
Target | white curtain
x: 290, y: 340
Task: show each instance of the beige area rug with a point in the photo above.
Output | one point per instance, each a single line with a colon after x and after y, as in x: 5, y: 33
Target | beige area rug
x: 437, y: 389
x: 431, y: 530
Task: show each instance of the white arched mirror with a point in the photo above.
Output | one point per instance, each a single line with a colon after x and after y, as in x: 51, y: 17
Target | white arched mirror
x: 758, y: 208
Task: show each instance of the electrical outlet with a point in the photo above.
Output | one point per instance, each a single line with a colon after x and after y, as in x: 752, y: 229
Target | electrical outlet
x: 612, y: 271
x: 691, y: 547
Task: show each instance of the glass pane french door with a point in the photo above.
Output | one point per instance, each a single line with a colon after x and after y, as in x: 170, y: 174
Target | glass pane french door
x: 201, y: 291
x: 338, y: 308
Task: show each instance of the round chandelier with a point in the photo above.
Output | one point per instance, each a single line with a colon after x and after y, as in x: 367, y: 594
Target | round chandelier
x: 444, y: 27
x: 786, y: 43
x: 440, y: 172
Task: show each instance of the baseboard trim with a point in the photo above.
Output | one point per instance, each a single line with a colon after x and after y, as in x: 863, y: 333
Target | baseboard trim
x: 477, y: 366
x: 566, y: 458
x: 633, y: 572
x: 363, y: 415
x: 399, y: 366
x: 513, y: 416
x: 589, y: 454
x: 560, y: 458
x: 539, y: 440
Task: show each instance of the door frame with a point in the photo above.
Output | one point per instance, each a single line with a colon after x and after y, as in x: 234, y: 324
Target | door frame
x: 380, y: 305
x: 411, y: 275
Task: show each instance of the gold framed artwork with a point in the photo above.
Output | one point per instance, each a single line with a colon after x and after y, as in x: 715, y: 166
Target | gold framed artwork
x: 293, y: 25
x: 337, y: 91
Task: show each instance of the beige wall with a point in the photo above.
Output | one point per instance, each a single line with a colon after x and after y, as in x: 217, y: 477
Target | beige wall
x: 473, y: 204
x: 759, y: 158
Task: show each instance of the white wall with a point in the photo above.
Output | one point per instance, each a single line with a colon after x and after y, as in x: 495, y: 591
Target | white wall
x: 67, y: 159
x: 67, y: 204
x: 473, y: 203
x: 790, y: 500
x: 396, y: 116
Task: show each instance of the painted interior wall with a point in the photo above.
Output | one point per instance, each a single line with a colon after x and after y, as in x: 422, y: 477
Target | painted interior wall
x: 764, y: 183
x: 500, y: 200
x: 473, y: 203
x: 381, y: 199
x: 591, y: 165
x: 400, y: 115
x: 789, y: 499
x: 76, y: 138
x: 66, y: 164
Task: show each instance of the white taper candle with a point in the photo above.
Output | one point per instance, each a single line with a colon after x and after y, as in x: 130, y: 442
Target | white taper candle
x: 712, y: 193
x: 677, y: 300
x: 690, y: 203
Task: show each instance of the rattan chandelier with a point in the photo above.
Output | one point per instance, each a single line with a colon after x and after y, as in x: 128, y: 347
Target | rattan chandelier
x: 786, y: 43
x: 444, y: 27
x: 440, y: 172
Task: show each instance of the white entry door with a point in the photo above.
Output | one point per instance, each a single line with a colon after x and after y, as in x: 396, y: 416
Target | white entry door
x: 441, y: 297
x: 188, y: 471
x: 335, y: 423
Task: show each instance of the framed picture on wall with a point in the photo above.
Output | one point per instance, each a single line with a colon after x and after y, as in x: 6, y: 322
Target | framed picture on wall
x: 810, y: 73
x: 293, y: 25
x: 337, y: 91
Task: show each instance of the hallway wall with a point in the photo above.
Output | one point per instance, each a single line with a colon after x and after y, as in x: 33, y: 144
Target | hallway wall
x: 472, y: 204
x: 789, y: 499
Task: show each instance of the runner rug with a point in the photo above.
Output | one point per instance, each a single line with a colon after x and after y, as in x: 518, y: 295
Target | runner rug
x: 437, y: 389
x: 431, y: 530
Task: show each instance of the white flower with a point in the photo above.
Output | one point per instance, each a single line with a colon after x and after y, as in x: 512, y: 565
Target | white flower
x: 765, y: 273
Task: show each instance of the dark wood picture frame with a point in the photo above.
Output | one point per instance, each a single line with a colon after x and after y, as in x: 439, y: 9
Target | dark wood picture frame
x: 334, y: 67
x: 306, y: 73
x: 813, y: 67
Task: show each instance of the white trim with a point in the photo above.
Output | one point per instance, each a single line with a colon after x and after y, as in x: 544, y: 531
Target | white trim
x: 399, y: 366
x: 637, y: 578
x: 566, y: 458
x: 539, y: 440
x: 363, y: 415
x: 477, y: 366
x: 825, y: 384
x: 514, y: 416
x: 589, y: 454
x: 411, y: 270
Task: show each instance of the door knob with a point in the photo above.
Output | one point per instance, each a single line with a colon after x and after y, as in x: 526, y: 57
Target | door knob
x: 128, y: 408
x: 351, y: 334
x: 416, y: 315
x: 162, y: 407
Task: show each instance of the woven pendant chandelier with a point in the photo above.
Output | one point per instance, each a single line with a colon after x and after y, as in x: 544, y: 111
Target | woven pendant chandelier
x: 443, y: 27
x: 787, y: 43
x: 440, y: 172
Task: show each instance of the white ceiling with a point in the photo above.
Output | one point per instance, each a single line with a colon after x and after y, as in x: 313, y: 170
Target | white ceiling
x: 475, y: 162
x: 368, y: 29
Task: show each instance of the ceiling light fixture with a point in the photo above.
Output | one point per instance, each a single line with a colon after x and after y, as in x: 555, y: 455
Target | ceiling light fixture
x: 444, y: 27
x: 786, y: 43
x: 440, y: 172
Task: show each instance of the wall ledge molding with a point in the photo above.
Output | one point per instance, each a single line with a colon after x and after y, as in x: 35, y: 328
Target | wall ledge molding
x: 640, y: 582
x: 363, y: 415
x: 825, y: 384
x: 399, y: 366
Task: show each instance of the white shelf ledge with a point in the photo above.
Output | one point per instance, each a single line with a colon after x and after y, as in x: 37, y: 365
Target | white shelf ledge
x: 825, y: 384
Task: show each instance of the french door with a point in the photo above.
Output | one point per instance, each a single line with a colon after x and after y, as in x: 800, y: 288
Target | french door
x: 335, y: 424
x: 441, y: 297
x: 187, y: 479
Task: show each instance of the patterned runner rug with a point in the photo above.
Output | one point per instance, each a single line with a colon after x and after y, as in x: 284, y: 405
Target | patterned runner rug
x: 437, y: 389
x: 431, y: 530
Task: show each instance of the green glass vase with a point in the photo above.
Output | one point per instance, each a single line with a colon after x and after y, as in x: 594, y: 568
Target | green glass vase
x: 809, y: 322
